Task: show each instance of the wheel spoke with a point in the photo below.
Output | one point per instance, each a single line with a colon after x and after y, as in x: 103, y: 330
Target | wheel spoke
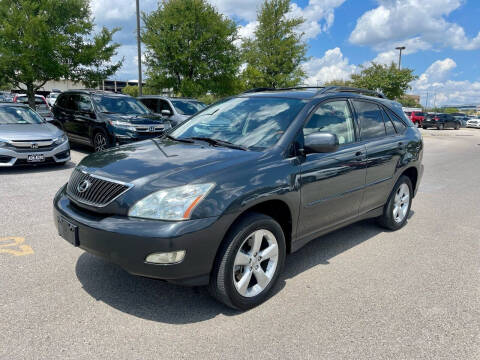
x: 242, y: 259
x: 242, y: 284
x: 262, y: 278
x: 395, y: 212
x: 269, y: 252
x: 257, y: 241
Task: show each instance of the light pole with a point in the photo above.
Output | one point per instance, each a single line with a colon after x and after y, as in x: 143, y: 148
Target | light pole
x: 139, y: 46
x: 400, y: 56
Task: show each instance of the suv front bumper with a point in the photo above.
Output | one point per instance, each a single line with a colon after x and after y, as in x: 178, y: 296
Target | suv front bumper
x: 128, y: 241
x: 10, y: 157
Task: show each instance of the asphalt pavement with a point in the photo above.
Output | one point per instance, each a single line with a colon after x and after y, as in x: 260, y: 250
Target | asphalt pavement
x: 358, y: 293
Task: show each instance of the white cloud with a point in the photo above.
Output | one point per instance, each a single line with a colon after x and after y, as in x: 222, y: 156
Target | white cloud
x: 421, y: 24
x: 441, y: 89
x: 332, y: 66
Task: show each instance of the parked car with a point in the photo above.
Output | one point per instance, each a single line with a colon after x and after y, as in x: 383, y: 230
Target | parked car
x: 417, y: 117
x: 26, y: 138
x: 462, y: 119
x: 222, y: 198
x: 441, y: 121
x: 41, y: 105
x: 473, y: 123
x: 177, y: 110
x: 52, y: 97
x: 6, y: 96
x: 102, y: 119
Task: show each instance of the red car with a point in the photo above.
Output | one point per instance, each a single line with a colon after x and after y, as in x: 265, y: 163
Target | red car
x: 417, y: 117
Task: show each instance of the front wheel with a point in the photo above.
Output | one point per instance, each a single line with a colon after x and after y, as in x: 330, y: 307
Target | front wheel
x: 397, y: 208
x: 100, y: 141
x: 249, y: 262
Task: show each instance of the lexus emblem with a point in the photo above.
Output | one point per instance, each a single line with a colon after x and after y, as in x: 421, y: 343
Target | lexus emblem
x: 34, y: 145
x: 83, y: 186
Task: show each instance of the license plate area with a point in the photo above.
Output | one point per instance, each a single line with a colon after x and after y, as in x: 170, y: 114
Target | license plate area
x: 68, y: 231
x: 36, y: 158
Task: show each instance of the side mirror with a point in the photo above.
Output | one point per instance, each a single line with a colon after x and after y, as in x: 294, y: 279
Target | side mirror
x: 321, y: 142
x: 166, y: 112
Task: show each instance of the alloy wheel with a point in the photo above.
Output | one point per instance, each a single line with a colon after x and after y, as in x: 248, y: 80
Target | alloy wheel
x: 401, y: 203
x: 100, y: 142
x: 255, y: 263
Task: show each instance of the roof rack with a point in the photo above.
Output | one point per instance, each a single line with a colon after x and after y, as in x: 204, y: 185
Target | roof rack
x: 368, y: 92
x: 282, y: 89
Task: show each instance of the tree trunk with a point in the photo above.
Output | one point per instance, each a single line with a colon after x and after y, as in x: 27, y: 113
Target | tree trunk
x: 31, y: 96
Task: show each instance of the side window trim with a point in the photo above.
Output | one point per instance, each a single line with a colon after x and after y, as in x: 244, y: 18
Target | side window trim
x: 390, y: 113
x: 352, y: 114
x: 380, y: 106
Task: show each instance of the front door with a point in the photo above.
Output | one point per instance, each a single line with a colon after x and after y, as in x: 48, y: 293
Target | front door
x: 331, y: 184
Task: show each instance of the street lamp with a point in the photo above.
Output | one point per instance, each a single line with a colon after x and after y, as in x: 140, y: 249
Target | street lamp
x: 400, y: 56
x: 139, y: 46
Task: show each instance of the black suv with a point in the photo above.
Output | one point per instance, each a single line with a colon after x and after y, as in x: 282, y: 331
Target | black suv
x: 224, y: 197
x: 103, y: 119
x: 441, y: 121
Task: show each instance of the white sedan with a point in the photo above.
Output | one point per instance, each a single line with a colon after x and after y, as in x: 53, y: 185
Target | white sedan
x: 473, y: 123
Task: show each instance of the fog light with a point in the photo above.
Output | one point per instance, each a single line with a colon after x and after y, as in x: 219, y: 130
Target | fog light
x: 173, y: 257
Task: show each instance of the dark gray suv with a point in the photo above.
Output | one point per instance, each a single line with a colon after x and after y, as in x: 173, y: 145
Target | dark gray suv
x: 221, y: 199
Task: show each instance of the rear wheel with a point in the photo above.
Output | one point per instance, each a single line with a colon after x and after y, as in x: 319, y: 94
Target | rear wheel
x: 440, y: 127
x: 249, y: 262
x: 397, y: 208
x: 100, y: 140
x: 457, y: 126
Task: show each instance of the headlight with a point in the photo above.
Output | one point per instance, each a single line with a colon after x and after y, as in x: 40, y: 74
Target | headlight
x: 60, y: 140
x: 123, y: 125
x: 171, y: 204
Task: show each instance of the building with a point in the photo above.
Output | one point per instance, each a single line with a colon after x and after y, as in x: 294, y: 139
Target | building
x: 466, y: 107
x: 416, y: 98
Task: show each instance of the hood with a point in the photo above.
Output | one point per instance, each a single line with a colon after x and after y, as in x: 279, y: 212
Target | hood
x: 160, y: 163
x: 135, y: 119
x: 29, y: 132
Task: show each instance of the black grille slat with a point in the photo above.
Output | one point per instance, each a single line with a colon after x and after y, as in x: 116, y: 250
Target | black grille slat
x: 100, y: 193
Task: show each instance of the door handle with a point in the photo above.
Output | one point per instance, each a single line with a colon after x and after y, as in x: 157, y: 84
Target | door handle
x: 401, y: 146
x: 358, y: 154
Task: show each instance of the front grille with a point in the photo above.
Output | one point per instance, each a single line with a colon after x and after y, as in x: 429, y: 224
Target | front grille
x: 99, y: 193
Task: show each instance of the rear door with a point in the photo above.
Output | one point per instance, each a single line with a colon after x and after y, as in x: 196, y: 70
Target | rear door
x: 63, y: 112
x: 331, y: 184
x: 82, y: 116
x: 384, y: 147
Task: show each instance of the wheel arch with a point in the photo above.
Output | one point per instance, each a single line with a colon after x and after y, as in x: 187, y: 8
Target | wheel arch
x: 412, y: 174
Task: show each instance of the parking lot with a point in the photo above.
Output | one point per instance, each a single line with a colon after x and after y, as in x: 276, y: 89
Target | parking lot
x: 360, y: 292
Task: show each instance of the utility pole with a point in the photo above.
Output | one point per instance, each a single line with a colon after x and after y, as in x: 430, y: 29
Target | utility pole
x: 400, y: 56
x: 426, y: 103
x: 139, y: 46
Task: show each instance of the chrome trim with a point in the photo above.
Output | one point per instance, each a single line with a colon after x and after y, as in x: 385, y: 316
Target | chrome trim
x: 89, y: 203
x: 29, y: 143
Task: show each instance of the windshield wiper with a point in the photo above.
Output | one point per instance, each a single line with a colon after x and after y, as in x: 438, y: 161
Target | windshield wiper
x: 180, y: 140
x: 217, y: 142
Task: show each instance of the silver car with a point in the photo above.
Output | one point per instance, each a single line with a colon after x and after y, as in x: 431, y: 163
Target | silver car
x: 176, y: 110
x: 26, y: 138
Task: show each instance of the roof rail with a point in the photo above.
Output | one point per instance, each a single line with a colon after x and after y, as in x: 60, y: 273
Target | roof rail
x: 260, y: 89
x: 368, y: 92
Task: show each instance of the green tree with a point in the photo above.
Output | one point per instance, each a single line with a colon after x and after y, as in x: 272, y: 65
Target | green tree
x: 190, y: 48
x: 388, y: 79
x: 51, y: 40
x: 451, y: 110
x: 338, y: 82
x: 131, y: 90
x: 408, y: 101
x: 275, y: 54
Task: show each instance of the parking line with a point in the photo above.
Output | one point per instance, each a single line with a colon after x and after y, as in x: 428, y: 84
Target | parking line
x: 14, y: 245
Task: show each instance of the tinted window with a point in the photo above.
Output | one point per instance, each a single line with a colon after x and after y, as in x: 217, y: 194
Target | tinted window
x: 399, y: 124
x: 370, y: 119
x: 66, y: 101
x: 332, y: 117
x: 83, y: 103
x: 256, y: 123
x: 150, y: 103
x: 164, y: 105
x: 120, y: 105
x: 187, y: 107
x: 389, y: 128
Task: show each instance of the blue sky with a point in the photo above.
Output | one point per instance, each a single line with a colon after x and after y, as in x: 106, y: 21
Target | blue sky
x: 442, y: 39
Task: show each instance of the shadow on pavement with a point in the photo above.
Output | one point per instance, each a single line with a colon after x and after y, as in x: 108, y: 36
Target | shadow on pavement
x: 163, y: 302
x: 35, y: 169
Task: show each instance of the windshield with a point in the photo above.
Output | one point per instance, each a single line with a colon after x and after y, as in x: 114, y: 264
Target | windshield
x: 188, y: 107
x: 18, y: 115
x: 120, y: 105
x: 255, y: 123
x: 40, y: 104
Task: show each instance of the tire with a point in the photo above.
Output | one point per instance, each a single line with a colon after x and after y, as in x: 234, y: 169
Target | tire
x: 239, y: 246
x: 424, y: 127
x: 392, y: 218
x: 457, y: 126
x: 100, y: 140
x: 440, y: 127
